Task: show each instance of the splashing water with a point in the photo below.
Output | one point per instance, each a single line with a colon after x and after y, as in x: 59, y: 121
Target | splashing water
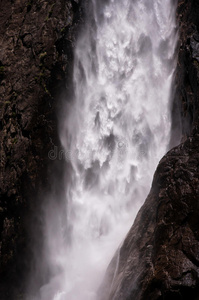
x: 116, y: 131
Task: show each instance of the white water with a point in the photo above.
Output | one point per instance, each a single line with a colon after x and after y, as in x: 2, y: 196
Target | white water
x: 115, y: 132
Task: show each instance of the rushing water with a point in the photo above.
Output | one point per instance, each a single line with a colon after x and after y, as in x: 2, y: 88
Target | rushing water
x: 115, y: 132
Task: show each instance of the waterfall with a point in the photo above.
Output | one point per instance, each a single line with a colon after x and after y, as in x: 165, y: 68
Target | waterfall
x: 115, y: 131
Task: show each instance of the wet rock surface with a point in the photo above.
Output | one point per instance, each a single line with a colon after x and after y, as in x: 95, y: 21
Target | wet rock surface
x: 36, y: 46
x: 187, y: 79
x: 159, y: 258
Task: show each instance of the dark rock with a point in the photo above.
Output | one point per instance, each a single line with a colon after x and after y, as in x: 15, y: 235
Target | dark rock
x: 159, y: 257
x: 196, y: 37
x: 195, y: 48
x: 32, y: 76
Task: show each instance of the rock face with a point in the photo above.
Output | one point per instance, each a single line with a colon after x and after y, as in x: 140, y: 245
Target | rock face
x: 36, y: 46
x: 159, y: 259
x: 187, y: 69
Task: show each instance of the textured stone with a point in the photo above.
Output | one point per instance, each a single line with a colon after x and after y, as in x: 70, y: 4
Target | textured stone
x: 159, y: 257
x: 36, y: 42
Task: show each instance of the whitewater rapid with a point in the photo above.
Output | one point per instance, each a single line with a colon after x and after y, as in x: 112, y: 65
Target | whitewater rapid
x: 114, y: 133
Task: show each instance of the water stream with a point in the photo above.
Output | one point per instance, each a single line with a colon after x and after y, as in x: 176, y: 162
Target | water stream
x: 115, y: 132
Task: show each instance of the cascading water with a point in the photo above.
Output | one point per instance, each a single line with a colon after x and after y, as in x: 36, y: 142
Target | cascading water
x: 115, y: 132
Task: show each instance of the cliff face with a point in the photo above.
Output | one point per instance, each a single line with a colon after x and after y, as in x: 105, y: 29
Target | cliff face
x: 36, y: 46
x: 159, y: 258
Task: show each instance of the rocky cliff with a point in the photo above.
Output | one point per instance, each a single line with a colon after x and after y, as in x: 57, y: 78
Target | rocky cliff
x: 159, y: 258
x: 36, y: 52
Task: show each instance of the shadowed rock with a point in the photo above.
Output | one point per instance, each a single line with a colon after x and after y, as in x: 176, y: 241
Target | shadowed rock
x: 159, y: 258
x: 36, y: 45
